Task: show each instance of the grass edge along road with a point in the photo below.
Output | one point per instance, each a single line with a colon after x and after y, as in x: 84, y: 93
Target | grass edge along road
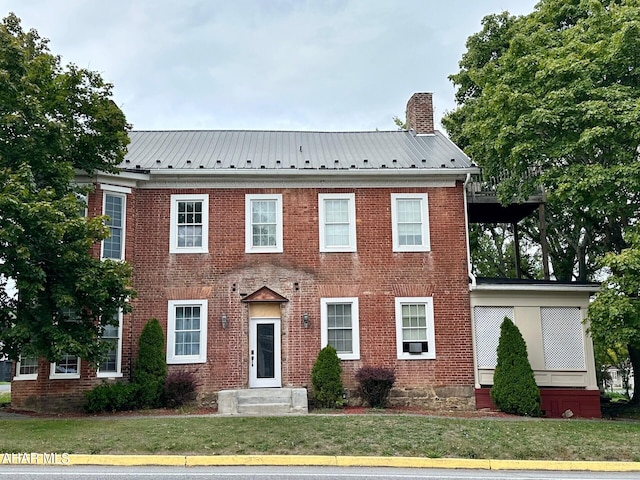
x: 333, y: 435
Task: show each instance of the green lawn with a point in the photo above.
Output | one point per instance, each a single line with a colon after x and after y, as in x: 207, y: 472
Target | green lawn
x: 5, y: 397
x: 339, y: 434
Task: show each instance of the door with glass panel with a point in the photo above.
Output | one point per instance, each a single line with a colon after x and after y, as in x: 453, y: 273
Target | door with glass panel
x: 264, y: 353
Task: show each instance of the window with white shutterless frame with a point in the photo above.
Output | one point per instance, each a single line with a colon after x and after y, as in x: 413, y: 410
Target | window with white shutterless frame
x: 410, y: 222
x: 415, y: 335
x: 189, y: 227
x: 337, y: 222
x: 340, y: 326
x: 187, y: 331
x: 114, y: 207
x: 26, y: 368
x: 263, y: 223
x: 68, y: 366
x: 111, y: 366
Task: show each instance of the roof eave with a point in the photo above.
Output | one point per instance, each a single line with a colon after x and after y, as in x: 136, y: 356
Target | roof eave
x: 373, y: 172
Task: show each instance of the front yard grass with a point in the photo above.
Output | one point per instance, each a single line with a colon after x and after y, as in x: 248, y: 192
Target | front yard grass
x: 371, y: 434
x: 5, y: 397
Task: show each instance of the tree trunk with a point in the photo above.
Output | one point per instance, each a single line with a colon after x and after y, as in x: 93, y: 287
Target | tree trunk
x: 634, y: 356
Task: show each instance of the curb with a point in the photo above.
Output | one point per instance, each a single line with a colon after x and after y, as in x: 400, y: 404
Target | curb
x: 319, y: 460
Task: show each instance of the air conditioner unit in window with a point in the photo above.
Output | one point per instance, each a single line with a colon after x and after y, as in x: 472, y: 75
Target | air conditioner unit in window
x: 415, y: 347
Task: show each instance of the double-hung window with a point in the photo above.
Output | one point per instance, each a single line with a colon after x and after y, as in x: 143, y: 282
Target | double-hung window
x: 263, y: 223
x: 340, y: 326
x: 187, y: 331
x: 67, y: 367
x: 337, y: 215
x: 114, y: 207
x: 26, y: 368
x: 410, y: 222
x: 112, y: 335
x: 189, y: 230
x: 415, y: 336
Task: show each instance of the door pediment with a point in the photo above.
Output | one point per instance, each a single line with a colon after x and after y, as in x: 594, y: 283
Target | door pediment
x: 265, y: 295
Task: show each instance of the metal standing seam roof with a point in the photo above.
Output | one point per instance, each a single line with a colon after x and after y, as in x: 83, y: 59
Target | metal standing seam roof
x: 252, y: 149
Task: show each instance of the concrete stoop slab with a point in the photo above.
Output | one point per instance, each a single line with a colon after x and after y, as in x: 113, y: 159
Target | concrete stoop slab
x: 263, y: 401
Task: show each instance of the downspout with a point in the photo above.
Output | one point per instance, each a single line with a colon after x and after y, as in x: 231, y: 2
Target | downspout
x: 472, y: 286
x: 466, y: 225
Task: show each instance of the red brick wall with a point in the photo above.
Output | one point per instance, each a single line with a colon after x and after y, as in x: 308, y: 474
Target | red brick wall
x: 374, y: 274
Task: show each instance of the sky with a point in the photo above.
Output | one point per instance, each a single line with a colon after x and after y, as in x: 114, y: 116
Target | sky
x: 323, y: 65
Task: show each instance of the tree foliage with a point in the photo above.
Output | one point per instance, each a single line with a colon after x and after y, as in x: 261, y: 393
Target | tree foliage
x: 54, y: 120
x: 615, y: 312
x: 326, y: 378
x: 551, y: 98
x: 514, y: 386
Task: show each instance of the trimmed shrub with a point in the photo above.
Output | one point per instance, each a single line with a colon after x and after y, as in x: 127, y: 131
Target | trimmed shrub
x: 150, y: 369
x: 514, y: 386
x: 111, y: 397
x: 179, y: 388
x: 375, y: 385
x: 326, y: 380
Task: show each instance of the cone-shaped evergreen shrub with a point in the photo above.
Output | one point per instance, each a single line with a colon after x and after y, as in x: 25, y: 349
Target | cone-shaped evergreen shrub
x: 326, y: 379
x: 150, y: 370
x: 514, y: 386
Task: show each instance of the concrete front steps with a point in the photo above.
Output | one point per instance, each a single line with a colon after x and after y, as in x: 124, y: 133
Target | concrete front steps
x: 263, y: 401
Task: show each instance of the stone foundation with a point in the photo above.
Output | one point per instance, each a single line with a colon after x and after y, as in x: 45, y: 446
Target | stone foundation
x: 456, y: 397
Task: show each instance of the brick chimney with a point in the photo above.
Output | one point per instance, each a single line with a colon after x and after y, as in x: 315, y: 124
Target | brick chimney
x: 420, y: 113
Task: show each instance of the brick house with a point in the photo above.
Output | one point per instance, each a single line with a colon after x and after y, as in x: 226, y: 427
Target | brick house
x: 254, y: 249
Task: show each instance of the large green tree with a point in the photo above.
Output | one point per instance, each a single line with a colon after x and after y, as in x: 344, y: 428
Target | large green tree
x: 552, y: 100
x: 615, y: 312
x: 54, y: 120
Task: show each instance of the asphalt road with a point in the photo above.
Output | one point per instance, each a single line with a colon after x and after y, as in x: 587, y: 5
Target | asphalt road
x: 287, y: 473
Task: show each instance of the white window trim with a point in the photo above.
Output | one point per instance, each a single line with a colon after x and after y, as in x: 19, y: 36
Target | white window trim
x: 115, y: 188
x: 431, y: 338
x: 118, y: 372
x: 249, y: 248
x: 355, y: 325
x: 351, y: 198
x: 115, y: 193
x: 426, y: 242
x: 172, y: 358
x: 173, y: 229
x: 59, y: 376
x: 29, y: 376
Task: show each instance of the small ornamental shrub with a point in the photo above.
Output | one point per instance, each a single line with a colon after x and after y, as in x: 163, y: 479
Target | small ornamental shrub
x: 150, y: 369
x: 375, y: 385
x: 326, y: 378
x: 179, y: 388
x: 514, y: 386
x: 111, y: 397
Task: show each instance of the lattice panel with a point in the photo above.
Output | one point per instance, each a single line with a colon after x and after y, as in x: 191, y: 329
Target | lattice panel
x: 562, y: 338
x: 487, y: 326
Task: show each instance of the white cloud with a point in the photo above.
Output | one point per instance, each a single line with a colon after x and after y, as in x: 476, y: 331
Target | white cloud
x: 277, y: 64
